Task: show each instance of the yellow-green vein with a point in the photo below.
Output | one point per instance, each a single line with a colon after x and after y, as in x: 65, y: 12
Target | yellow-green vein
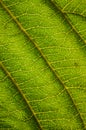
x: 21, y: 93
x: 67, y: 19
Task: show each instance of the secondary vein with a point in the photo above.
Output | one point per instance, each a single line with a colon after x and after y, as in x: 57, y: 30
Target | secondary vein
x: 74, y: 13
x: 74, y: 29
x: 21, y: 93
x: 64, y: 14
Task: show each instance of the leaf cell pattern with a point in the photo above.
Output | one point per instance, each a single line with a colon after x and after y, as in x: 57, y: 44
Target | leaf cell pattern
x: 42, y: 64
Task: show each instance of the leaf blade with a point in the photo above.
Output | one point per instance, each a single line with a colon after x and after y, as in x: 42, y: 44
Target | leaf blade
x: 46, y: 97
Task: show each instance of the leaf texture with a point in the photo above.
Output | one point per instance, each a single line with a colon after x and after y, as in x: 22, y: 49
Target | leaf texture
x: 43, y: 64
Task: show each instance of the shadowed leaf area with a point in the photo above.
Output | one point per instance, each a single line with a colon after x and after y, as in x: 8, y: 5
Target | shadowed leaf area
x: 42, y: 64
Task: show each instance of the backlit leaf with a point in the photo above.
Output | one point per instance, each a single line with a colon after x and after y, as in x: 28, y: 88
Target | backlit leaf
x: 43, y: 64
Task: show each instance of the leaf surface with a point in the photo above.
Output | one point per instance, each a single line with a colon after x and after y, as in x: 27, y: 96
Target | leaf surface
x: 43, y: 64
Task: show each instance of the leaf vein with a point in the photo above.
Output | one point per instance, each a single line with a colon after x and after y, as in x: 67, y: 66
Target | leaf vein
x: 21, y: 93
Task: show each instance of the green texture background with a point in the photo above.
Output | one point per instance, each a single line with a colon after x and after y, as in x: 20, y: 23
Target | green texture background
x: 43, y: 64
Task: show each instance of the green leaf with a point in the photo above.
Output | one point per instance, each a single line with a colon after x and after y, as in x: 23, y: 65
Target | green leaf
x: 43, y: 65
